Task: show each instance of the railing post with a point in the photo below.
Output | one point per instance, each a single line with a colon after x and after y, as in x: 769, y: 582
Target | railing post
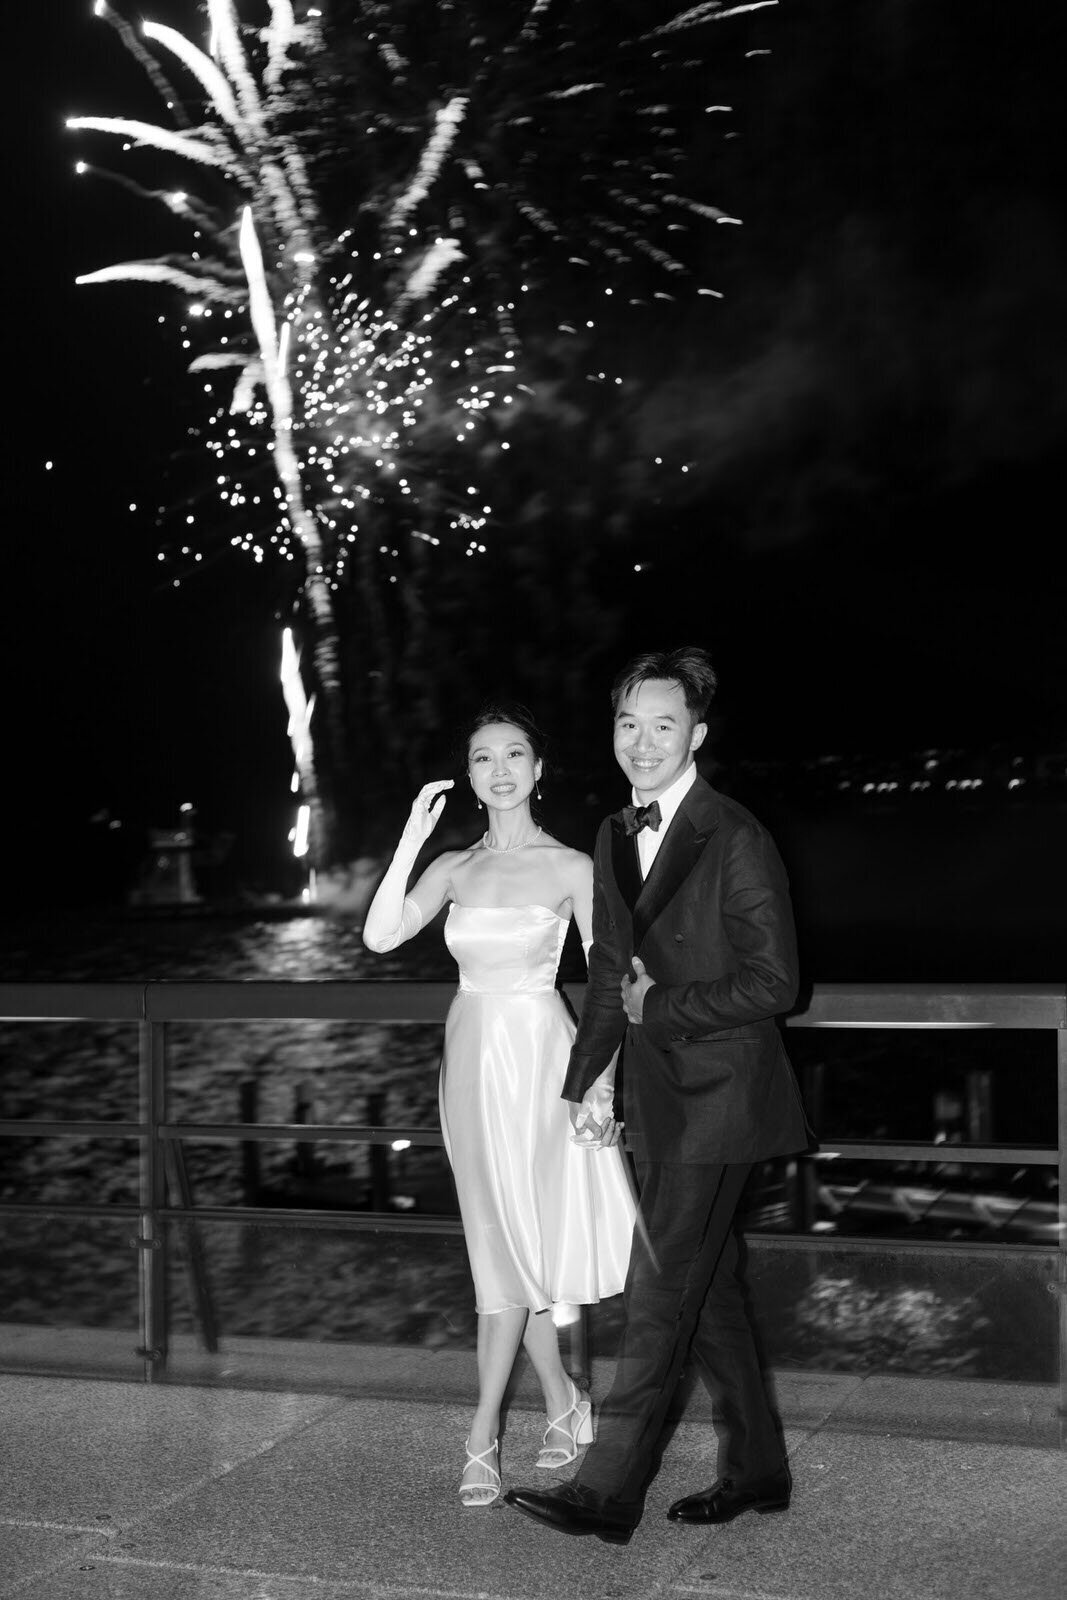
x: 1061, y: 1254
x: 378, y: 1155
x: 251, y: 1179
x: 152, y: 1238
x: 178, y: 1176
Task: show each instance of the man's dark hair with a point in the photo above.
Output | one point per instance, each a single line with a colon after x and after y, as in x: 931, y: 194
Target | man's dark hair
x: 689, y: 667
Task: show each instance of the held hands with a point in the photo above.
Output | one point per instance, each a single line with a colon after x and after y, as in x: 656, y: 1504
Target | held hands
x: 591, y: 1134
x: 425, y: 815
x: 633, y: 994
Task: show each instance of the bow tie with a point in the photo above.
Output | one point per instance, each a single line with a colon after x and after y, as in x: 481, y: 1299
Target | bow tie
x: 634, y: 818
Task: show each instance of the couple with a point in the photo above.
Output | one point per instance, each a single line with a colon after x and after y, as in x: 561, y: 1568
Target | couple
x: 692, y: 957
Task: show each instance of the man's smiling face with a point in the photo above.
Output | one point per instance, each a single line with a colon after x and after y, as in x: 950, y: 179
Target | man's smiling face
x: 656, y: 737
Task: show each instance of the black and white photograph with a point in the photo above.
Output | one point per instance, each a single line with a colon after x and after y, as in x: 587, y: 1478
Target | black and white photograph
x: 533, y: 955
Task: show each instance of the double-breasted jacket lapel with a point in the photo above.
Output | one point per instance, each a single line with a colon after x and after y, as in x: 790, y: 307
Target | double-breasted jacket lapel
x: 694, y: 822
x: 625, y: 862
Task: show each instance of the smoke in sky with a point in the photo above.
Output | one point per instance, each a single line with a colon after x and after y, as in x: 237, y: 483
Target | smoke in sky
x: 895, y: 311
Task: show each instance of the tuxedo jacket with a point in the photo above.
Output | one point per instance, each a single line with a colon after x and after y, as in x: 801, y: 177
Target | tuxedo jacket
x: 705, y: 1075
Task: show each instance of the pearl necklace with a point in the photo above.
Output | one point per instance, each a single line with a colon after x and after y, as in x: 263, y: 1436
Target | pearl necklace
x: 505, y: 849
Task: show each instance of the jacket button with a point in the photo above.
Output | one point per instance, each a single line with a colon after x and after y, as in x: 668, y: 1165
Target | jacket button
x: 679, y: 938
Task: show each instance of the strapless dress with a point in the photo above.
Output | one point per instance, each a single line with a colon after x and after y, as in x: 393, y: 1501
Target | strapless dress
x: 547, y: 1223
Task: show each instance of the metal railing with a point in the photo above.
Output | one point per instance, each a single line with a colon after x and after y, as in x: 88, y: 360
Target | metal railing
x: 154, y: 1006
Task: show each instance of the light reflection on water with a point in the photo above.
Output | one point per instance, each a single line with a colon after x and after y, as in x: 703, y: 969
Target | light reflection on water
x: 117, y: 949
x: 316, y: 1071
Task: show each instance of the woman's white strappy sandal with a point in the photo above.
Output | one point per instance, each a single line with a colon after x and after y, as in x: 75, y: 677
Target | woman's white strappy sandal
x: 577, y: 1423
x: 476, y: 1494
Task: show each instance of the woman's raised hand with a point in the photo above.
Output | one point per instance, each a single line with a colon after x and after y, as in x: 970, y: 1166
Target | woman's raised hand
x: 425, y: 814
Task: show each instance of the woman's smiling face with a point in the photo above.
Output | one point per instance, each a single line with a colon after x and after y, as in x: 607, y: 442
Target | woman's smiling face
x: 501, y: 766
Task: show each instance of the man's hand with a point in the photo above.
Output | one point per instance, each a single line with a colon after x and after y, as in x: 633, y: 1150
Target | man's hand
x: 633, y: 994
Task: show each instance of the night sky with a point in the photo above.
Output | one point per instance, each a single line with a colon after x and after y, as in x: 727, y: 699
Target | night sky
x: 869, y: 543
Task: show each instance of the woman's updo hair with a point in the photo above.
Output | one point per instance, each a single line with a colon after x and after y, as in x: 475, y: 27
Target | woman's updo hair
x: 516, y: 715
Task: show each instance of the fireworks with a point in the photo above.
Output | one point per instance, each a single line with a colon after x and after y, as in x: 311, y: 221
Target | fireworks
x: 396, y: 200
x: 481, y: 143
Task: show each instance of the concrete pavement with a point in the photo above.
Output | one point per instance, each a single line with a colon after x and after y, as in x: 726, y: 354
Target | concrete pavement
x: 342, y: 1485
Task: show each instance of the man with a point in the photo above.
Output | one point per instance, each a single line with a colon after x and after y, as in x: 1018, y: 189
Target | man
x: 694, y: 957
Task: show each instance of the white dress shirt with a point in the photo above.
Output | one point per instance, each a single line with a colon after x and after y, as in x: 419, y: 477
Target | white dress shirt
x: 649, y: 840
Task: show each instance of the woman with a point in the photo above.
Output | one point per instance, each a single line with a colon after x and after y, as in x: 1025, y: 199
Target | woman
x: 547, y: 1218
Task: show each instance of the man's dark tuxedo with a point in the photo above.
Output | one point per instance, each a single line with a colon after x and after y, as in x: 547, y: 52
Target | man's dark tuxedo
x: 707, y: 1078
x: 707, y: 1091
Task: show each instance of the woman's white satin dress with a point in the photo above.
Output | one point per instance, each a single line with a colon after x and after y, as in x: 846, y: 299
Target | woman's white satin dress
x: 547, y: 1223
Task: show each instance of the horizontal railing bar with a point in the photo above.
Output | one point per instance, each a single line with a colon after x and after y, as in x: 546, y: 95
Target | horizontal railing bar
x: 317, y: 1217
x: 845, y: 1005
x: 253, y: 1216
x: 36, y: 1128
x: 341, y: 1000
x: 931, y: 1005
x: 302, y: 1132
x: 343, y: 1133
x: 72, y: 1002
x: 940, y: 1154
x: 433, y: 1223
x: 71, y: 1208
x: 219, y: 1132
x: 893, y: 1244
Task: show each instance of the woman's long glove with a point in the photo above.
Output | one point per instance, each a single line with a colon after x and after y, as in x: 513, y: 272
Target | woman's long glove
x: 392, y: 916
x: 384, y: 929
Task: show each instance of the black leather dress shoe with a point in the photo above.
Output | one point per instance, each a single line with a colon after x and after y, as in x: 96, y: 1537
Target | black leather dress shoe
x: 573, y: 1509
x: 726, y: 1499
